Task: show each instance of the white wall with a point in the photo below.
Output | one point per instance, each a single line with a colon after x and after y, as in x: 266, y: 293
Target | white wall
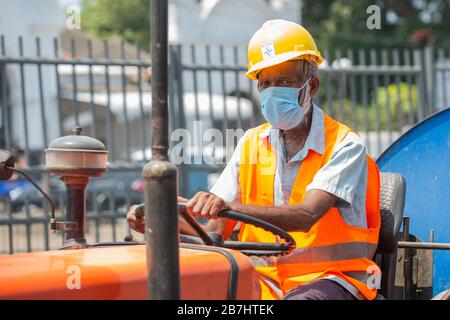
x: 228, y: 22
x: 29, y: 19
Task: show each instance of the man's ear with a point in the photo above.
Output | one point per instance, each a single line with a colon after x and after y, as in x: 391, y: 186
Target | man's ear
x: 314, y: 85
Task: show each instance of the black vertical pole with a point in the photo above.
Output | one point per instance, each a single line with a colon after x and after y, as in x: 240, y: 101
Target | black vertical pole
x: 160, y: 176
x: 407, y: 264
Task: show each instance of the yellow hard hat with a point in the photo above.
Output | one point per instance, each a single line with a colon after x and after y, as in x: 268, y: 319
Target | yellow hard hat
x: 278, y: 41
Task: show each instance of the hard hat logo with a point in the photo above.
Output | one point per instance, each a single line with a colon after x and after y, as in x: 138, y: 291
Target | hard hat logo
x: 268, y: 50
x: 290, y: 40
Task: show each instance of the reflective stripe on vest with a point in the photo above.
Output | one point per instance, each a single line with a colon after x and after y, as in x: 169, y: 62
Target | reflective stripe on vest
x: 321, y: 251
x: 335, y: 252
x: 361, y: 276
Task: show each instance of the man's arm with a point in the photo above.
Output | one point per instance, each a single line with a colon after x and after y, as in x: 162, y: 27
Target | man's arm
x: 293, y: 217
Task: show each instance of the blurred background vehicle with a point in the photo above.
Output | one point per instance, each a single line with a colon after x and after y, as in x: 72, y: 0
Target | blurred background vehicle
x: 112, y: 191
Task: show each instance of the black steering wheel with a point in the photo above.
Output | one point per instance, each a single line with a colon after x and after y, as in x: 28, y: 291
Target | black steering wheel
x: 247, y: 248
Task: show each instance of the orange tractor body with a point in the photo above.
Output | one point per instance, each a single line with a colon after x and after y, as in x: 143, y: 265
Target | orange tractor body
x: 120, y: 272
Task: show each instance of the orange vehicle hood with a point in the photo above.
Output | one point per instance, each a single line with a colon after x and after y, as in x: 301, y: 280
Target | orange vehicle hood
x: 118, y: 272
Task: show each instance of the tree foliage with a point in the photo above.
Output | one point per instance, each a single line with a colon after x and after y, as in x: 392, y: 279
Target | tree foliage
x: 126, y: 18
x: 342, y: 23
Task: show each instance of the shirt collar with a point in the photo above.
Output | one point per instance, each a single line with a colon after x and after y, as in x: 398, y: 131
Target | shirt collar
x: 316, y: 137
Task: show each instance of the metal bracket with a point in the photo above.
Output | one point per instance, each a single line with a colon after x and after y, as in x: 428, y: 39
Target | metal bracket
x: 62, y: 225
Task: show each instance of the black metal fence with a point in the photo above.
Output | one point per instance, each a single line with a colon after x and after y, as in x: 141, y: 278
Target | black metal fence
x: 41, y: 98
x: 43, y: 95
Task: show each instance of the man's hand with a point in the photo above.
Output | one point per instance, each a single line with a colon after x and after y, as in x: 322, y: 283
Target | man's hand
x: 137, y: 221
x: 206, y: 205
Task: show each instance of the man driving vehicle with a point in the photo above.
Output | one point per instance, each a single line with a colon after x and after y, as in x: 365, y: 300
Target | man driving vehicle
x: 301, y: 171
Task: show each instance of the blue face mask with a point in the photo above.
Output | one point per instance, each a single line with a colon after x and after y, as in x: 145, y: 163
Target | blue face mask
x: 280, y: 106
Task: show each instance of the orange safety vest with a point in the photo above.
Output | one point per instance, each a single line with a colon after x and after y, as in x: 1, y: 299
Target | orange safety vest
x: 331, y: 246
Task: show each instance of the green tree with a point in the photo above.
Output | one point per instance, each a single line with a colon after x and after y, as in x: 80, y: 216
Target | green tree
x: 342, y: 23
x: 390, y: 108
x: 126, y: 18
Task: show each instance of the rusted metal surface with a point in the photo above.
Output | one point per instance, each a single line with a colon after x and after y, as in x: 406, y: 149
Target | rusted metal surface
x: 421, y: 278
x: 76, y: 211
x: 160, y: 176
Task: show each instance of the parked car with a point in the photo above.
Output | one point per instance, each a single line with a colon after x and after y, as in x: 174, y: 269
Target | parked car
x: 7, y: 186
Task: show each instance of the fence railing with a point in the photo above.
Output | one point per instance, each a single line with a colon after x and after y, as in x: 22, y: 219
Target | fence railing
x: 379, y: 97
x: 45, y: 90
x: 441, y: 80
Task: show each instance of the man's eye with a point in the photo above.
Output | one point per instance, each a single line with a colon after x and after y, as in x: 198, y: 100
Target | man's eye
x: 263, y: 84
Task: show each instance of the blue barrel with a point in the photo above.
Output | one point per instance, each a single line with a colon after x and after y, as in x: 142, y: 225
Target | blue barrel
x: 422, y: 156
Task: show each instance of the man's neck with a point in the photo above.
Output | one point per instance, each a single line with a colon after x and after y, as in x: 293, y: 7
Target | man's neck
x: 295, y: 138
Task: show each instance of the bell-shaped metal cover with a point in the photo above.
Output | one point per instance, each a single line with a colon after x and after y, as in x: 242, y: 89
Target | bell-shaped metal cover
x: 76, y: 141
x: 76, y: 155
